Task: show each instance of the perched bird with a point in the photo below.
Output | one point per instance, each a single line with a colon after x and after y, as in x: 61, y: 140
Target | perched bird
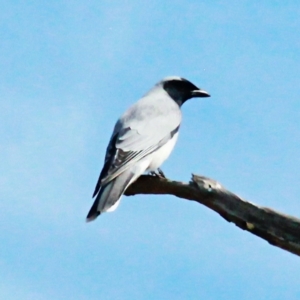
x: 142, y: 140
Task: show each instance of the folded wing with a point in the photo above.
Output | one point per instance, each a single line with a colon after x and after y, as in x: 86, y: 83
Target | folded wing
x: 136, y: 136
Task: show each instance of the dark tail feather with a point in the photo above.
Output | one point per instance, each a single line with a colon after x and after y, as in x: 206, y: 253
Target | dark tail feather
x: 109, y: 194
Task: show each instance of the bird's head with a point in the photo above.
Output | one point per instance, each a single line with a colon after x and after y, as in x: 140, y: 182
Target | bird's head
x: 180, y: 89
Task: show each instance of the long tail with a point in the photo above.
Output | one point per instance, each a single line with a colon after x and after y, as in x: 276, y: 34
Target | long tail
x: 109, y: 195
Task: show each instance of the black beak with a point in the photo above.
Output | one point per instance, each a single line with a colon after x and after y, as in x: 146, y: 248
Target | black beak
x: 200, y: 93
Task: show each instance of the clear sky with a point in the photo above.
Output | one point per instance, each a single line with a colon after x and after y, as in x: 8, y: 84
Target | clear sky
x: 68, y: 69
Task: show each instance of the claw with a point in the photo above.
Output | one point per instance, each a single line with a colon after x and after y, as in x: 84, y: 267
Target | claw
x: 161, y: 173
x: 158, y: 173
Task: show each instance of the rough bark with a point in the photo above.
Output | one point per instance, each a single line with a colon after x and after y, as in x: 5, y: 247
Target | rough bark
x: 278, y: 229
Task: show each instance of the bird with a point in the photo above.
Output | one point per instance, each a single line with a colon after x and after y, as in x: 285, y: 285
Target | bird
x: 142, y: 139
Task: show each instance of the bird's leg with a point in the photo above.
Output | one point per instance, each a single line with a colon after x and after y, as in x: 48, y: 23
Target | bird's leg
x: 158, y: 173
x: 161, y: 173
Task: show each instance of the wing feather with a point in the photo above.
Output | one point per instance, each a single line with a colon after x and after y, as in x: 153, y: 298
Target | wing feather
x: 143, y: 129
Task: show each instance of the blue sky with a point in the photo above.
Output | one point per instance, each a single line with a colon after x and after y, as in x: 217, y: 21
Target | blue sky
x: 68, y: 69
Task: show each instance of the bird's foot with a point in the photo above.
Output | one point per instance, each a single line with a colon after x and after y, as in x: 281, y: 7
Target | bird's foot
x: 158, y: 173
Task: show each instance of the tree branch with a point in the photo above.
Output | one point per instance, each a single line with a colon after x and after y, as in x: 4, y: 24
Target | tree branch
x: 278, y: 229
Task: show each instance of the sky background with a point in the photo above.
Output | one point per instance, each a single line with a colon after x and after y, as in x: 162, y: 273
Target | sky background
x: 68, y: 70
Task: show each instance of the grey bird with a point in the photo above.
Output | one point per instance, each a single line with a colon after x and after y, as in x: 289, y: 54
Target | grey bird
x: 143, y: 138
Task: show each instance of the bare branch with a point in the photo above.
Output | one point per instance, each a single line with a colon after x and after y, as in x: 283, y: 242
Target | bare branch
x: 278, y: 229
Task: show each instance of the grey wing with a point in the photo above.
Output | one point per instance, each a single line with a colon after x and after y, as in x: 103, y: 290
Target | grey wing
x: 118, y: 158
x: 143, y: 129
x: 110, y: 155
